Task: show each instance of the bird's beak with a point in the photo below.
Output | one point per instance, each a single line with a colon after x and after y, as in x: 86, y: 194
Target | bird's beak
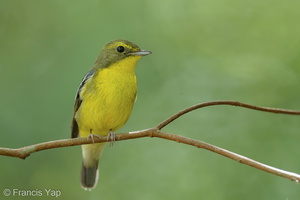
x: 141, y: 53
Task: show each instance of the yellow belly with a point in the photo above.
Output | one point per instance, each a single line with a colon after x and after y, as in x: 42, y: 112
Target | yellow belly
x: 107, y: 102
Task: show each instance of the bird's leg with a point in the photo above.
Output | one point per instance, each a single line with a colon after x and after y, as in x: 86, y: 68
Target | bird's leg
x: 91, y: 135
x: 111, y: 137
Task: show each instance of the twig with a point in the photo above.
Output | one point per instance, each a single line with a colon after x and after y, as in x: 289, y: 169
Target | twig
x: 234, y: 156
x: 229, y: 103
x: 24, y: 152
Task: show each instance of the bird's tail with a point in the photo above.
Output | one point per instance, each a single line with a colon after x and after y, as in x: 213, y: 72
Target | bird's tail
x: 89, y: 172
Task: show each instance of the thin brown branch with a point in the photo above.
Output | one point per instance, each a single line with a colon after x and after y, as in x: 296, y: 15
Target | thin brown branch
x: 234, y: 156
x: 229, y: 103
x: 155, y: 132
x: 26, y: 151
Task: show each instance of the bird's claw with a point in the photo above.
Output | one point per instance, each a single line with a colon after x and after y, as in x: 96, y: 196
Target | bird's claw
x: 92, y: 136
x: 111, y: 137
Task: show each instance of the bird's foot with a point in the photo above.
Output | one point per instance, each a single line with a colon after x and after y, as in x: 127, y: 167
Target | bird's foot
x: 111, y: 137
x: 92, y: 136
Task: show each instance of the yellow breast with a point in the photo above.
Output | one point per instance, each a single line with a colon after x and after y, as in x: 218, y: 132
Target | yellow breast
x: 108, y: 98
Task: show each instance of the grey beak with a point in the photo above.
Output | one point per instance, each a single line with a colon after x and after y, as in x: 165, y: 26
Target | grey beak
x: 141, y: 53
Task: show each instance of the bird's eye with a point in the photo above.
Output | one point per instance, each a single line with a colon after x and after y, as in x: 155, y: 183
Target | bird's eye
x: 120, y: 49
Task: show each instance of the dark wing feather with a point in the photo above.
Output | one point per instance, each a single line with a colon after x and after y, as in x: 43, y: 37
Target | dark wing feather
x: 78, y: 101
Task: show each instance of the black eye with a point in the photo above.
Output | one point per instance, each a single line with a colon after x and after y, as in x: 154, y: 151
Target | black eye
x: 120, y: 49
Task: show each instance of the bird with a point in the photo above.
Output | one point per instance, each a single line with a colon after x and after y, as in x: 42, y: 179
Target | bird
x: 104, y: 101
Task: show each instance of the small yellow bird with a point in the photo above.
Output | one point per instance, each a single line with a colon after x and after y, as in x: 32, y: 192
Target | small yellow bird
x: 104, y: 101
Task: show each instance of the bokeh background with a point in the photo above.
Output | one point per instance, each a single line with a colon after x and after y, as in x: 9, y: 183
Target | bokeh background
x: 203, y: 50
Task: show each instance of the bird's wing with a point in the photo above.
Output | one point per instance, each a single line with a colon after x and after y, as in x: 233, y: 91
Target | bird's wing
x: 78, y: 101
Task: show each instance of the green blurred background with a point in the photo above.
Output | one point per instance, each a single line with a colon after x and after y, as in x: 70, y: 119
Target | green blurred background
x: 202, y: 51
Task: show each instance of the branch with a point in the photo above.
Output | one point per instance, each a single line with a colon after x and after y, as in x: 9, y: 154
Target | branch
x: 229, y: 103
x: 24, y: 152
